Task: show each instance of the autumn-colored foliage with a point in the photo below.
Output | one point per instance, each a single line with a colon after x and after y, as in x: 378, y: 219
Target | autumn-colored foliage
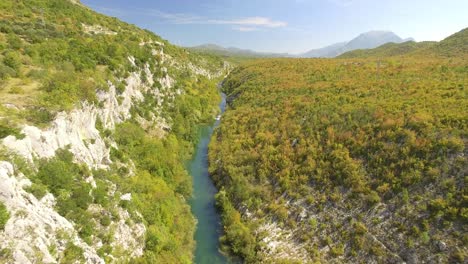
x: 348, y: 134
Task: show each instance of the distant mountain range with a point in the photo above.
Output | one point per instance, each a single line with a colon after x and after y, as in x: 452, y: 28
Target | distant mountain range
x: 231, y: 51
x: 368, y: 40
x: 454, y: 45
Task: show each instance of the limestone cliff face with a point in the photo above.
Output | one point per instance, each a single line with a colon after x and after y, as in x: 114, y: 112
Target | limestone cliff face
x: 35, y: 231
x: 77, y: 129
x: 34, y: 225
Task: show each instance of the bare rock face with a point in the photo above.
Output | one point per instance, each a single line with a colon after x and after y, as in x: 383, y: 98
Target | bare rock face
x: 34, y: 226
x: 129, y: 236
x: 67, y: 130
x: 77, y: 129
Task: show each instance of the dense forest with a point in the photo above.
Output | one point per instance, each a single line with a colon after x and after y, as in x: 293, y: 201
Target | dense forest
x: 57, y: 56
x: 346, y: 160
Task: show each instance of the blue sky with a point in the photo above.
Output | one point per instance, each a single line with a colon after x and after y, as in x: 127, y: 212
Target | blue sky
x: 286, y: 25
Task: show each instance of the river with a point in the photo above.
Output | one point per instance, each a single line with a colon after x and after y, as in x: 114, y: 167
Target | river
x: 203, y: 205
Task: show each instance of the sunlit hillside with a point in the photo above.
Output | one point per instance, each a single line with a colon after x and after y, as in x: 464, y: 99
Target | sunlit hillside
x: 354, y: 160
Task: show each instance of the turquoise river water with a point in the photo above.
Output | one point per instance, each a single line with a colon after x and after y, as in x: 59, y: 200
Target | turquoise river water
x: 203, y: 205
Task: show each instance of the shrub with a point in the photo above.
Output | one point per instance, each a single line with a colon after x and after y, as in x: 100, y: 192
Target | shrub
x: 6, y: 130
x: 14, y: 42
x: 12, y: 60
x: 4, y: 216
x: 337, y: 250
x: 6, y: 72
x: 373, y: 198
x: 436, y: 206
x: 105, y: 220
x: 100, y: 193
x: 39, y: 116
x: 359, y: 228
x: 458, y: 256
x: 72, y: 253
x: 377, y: 250
x: 120, y: 88
x: 37, y: 189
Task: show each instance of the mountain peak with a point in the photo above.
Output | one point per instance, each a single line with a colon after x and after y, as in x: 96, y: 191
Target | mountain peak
x: 373, y: 39
x: 366, y: 40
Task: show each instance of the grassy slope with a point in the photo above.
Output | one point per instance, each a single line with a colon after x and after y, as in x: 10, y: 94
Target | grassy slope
x: 370, y: 152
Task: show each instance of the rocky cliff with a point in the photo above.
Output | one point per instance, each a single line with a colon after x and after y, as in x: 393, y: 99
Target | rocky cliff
x: 43, y: 191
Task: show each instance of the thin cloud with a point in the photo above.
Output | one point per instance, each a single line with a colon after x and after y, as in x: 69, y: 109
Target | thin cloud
x: 251, y: 21
x: 242, y: 24
x: 245, y: 29
x: 245, y: 24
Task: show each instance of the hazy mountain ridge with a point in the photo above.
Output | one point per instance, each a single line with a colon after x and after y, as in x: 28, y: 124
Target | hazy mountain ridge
x: 232, y: 51
x: 328, y: 51
x: 454, y: 45
x: 368, y: 40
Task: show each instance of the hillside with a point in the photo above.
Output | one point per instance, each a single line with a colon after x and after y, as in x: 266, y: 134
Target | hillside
x: 361, y: 159
x: 368, y: 40
x: 97, y: 119
x: 344, y: 161
x: 453, y: 46
x: 389, y: 49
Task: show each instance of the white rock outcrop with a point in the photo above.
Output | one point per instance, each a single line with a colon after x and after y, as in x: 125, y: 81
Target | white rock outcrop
x: 97, y: 29
x: 77, y: 129
x: 34, y: 226
x: 129, y: 236
x: 279, y: 244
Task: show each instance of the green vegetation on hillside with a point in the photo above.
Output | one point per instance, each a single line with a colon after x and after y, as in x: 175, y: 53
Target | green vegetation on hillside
x: 453, y: 46
x: 159, y: 183
x: 46, y: 44
x: 388, y: 50
x: 364, y: 158
x: 55, y: 54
